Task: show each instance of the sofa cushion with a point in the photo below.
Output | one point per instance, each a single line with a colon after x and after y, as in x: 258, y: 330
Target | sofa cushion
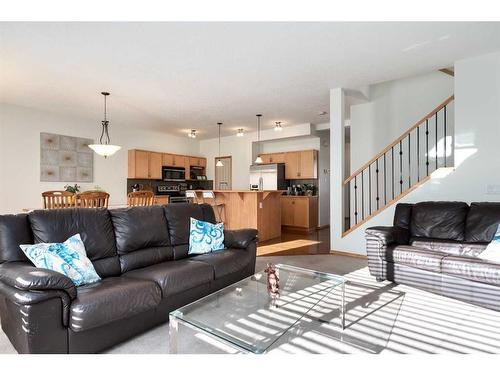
x: 472, y: 269
x: 225, y: 262
x: 94, y: 226
x: 14, y: 231
x: 402, y: 215
x: 178, y: 220
x: 415, y: 257
x: 450, y: 247
x: 442, y: 220
x: 112, y: 299
x: 482, y: 221
x: 141, y: 236
x: 175, y: 276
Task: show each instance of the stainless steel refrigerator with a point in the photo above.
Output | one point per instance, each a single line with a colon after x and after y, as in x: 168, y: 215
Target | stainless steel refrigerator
x: 267, y: 177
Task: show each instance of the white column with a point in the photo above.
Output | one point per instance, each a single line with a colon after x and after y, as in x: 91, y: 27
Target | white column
x: 337, y: 121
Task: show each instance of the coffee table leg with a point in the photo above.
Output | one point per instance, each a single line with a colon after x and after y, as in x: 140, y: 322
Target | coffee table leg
x: 342, y: 307
x: 174, y: 332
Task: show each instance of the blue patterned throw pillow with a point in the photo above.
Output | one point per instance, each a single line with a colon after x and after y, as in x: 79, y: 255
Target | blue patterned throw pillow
x: 68, y: 258
x: 205, y: 237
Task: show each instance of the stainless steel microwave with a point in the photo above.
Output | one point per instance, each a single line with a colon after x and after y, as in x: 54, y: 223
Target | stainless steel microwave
x: 173, y: 174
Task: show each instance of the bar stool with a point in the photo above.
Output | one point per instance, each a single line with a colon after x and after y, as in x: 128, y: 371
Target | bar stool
x: 192, y: 197
x: 219, y: 208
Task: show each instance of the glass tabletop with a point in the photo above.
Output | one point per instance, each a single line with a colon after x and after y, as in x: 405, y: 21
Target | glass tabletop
x: 247, y: 315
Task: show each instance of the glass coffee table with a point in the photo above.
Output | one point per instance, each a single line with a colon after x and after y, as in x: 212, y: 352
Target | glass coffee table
x: 248, y: 318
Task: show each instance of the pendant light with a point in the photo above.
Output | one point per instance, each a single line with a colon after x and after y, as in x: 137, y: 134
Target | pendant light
x: 219, y: 162
x: 104, y: 147
x: 258, y: 160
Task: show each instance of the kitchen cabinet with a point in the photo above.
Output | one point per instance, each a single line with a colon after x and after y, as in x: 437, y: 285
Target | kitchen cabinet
x: 197, y: 162
x: 278, y: 157
x: 301, y: 165
x: 299, y: 212
x: 172, y: 160
x: 168, y: 160
x: 160, y: 200
x: 292, y: 165
x: 144, y: 164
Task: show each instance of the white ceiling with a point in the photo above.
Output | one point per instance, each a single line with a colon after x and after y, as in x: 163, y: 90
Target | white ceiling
x: 177, y: 76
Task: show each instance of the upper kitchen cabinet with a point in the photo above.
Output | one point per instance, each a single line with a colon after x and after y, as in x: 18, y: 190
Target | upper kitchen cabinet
x: 197, y: 162
x: 144, y: 164
x: 172, y: 160
x: 301, y: 165
x: 278, y: 157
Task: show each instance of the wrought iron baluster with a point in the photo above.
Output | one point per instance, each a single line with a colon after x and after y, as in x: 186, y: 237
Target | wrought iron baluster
x: 392, y: 167
x: 355, y: 199
x: 444, y: 136
x: 376, y: 175
x: 385, y: 182
x: 409, y: 161
x: 418, y: 154
x: 362, y: 195
x: 427, y: 145
x: 436, y: 147
x: 370, y: 188
x: 401, y: 167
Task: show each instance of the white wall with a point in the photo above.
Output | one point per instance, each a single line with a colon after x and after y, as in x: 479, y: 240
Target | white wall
x: 20, y: 154
x: 394, y: 106
x: 477, y: 155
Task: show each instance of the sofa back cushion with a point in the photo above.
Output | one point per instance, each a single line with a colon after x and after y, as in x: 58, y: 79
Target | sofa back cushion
x: 441, y: 220
x: 482, y: 221
x: 94, y: 226
x: 15, y: 230
x: 142, y: 237
x: 178, y: 220
x: 402, y: 215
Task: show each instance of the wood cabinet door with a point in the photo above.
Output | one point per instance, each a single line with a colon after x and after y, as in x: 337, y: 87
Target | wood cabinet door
x: 203, y: 162
x: 194, y: 161
x: 168, y: 160
x: 308, y: 164
x: 266, y: 158
x: 179, y: 161
x: 292, y: 165
x: 160, y: 200
x: 141, y: 164
x: 278, y: 157
x: 301, y: 212
x: 155, y: 163
x: 287, y: 211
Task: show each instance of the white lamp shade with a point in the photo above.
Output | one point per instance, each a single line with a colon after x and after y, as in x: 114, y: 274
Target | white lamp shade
x: 258, y: 160
x: 219, y: 163
x: 104, y: 150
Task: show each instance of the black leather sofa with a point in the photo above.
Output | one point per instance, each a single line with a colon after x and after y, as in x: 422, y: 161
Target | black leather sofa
x: 140, y: 253
x: 434, y: 246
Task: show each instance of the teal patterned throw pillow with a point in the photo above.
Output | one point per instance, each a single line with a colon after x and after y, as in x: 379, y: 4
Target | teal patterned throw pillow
x: 68, y: 258
x: 205, y: 237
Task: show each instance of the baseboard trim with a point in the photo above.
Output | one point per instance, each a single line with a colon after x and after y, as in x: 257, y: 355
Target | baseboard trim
x: 348, y: 254
x: 299, y: 230
x: 319, y: 227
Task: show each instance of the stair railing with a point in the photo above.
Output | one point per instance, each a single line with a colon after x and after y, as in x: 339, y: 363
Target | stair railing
x: 400, y: 167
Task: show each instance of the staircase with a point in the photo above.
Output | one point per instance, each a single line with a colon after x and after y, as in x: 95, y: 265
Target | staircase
x: 401, y: 167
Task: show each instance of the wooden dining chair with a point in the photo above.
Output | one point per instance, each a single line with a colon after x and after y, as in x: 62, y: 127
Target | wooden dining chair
x: 58, y: 199
x: 140, y: 198
x: 92, y: 199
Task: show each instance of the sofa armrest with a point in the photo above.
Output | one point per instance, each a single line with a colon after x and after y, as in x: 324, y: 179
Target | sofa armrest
x: 26, y: 277
x: 239, y: 238
x: 388, y: 235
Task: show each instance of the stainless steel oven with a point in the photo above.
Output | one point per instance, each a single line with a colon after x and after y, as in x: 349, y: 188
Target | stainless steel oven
x: 173, y: 174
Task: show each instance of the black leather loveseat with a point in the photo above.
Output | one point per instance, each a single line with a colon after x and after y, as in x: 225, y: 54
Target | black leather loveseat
x: 140, y: 254
x: 434, y: 246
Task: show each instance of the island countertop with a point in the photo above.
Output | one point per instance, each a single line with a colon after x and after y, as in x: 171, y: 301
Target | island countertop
x: 259, y: 209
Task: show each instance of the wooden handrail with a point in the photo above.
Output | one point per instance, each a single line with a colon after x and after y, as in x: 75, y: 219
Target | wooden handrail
x: 404, y: 135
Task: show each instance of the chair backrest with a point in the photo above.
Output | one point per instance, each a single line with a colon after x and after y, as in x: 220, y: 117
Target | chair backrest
x: 140, y: 198
x: 209, y: 194
x: 92, y: 199
x: 192, y: 196
x: 58, y: 199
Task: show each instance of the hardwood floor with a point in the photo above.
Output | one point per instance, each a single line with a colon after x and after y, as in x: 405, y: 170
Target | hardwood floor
x: 317, y: 242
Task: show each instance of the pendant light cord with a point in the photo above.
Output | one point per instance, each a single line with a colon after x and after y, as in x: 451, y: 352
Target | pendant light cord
x: 220, y: 124
x: 105, y: 123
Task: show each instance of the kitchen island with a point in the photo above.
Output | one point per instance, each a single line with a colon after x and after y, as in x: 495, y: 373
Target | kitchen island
x: 250, y: 209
